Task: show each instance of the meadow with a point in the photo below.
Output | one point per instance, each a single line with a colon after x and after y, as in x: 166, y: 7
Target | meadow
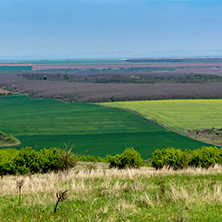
x: 93, y: 129
x: 178, y: 114
x: 10, y: 68
x: 115, y: 195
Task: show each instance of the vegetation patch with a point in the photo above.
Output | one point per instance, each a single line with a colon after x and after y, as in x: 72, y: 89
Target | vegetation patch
x: 176, y: 159
x: 29, y: 161
x: 209, y: 135
x: 8, y: 140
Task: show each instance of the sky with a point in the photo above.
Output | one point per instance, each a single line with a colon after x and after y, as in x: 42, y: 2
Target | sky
x: 69, y: 29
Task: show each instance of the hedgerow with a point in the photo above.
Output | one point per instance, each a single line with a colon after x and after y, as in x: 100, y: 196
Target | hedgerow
x: 27, y: 160
x: 170, y: 157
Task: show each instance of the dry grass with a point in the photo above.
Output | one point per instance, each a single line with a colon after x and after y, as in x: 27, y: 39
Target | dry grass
x: 75, y: 180
x: 114, y: 195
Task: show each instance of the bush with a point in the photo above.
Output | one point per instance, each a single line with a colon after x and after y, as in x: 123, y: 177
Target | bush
x: 206, y: 157
x: 130, y: 158
x: 27, y: 160
x: 171, y: 158
x: 90, y: 158
x: 87, y: 158
x: 7, y: 165
x: 177, y: 159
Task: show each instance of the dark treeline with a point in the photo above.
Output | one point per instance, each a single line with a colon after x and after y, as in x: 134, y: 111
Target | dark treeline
x: 125, y: 78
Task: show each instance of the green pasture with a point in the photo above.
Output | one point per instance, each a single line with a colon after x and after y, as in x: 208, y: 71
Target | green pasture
x: 15, y: 68
x: 178, y: 114
x: 94, y: 129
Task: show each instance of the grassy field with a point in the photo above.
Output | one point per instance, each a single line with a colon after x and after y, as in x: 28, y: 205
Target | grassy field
x: 15, y: 68
x: 178, y: 114
x: 99, y: 130
x: 116, y: 195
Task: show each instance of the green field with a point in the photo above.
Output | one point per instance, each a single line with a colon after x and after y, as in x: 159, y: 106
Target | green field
x: 15, y: 68
x: 100, y: 130
x: 178, y: 114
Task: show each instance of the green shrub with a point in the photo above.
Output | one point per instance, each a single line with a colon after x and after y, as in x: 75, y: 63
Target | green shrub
x: 130, y: 158
x: 7, y: 165
x: 177, y: 159
x: 171, y: 158
x: 49, y: 160
x: 90, y: 158
x: 87, y: 158
x: 28, y: 160
x: 206, y: 157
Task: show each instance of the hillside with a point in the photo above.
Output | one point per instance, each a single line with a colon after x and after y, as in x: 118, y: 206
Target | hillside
x: 93, y: 129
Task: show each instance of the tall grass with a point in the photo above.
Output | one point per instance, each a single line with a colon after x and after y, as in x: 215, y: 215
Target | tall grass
x: 116, y: 195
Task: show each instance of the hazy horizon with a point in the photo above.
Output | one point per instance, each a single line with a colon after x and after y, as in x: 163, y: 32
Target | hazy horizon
x: 95, y: 29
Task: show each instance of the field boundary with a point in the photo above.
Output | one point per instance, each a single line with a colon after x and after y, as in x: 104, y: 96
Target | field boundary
x: 180, y: 132
x: 139, y: 114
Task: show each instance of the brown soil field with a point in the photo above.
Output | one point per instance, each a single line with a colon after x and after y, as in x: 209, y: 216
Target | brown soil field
x: 36, y: 67
x: 96, y: 92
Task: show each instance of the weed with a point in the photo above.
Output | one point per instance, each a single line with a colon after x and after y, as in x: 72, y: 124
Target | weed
x: 20, y: 184
x: 61, y: 196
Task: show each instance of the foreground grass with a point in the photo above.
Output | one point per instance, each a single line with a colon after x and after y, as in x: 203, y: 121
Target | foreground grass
x: 116, y: 195
x: 178, y: 114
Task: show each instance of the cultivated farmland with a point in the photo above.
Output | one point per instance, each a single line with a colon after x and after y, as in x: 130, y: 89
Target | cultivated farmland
x: 179, y: 114
x: 182, y: 115
x: 105, y: 80
x: 99, y: 130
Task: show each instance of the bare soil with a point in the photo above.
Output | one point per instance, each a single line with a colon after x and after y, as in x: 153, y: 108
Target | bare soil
x: 213, y: 136
x: 99, y: 92
x: 4, y: 92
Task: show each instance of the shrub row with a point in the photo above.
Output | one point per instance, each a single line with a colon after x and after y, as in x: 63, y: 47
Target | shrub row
x: 27, y: 160
x: 170, y: 157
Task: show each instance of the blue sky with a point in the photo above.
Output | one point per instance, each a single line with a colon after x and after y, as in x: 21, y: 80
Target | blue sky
x: 109, y: 28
